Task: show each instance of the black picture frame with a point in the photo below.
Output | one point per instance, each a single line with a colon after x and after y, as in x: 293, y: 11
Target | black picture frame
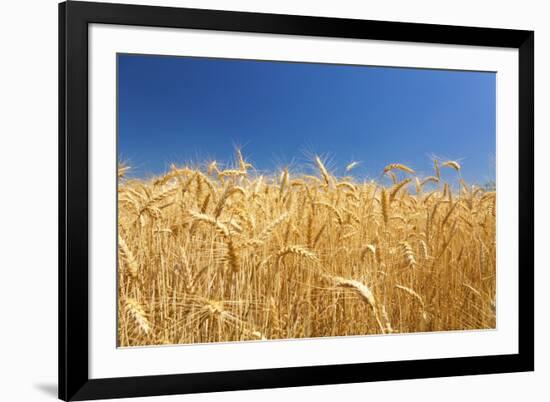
x: 74, y: 381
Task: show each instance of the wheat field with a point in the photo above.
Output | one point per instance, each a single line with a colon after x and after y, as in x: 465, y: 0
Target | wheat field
x: 217, y: 255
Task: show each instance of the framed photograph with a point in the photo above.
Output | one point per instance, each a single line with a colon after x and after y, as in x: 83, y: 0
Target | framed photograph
x: 257, y: 201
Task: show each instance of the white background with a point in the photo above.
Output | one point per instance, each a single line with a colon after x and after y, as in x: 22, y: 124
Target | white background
x: 28, y: 201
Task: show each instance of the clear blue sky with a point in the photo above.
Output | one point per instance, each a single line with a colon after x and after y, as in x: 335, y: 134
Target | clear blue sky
x: 180, y: 109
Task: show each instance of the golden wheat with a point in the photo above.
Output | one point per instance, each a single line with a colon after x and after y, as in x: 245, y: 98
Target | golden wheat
x: 230, y: 255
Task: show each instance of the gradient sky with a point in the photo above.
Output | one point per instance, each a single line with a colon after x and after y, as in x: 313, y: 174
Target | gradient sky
x: 181, y: 109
